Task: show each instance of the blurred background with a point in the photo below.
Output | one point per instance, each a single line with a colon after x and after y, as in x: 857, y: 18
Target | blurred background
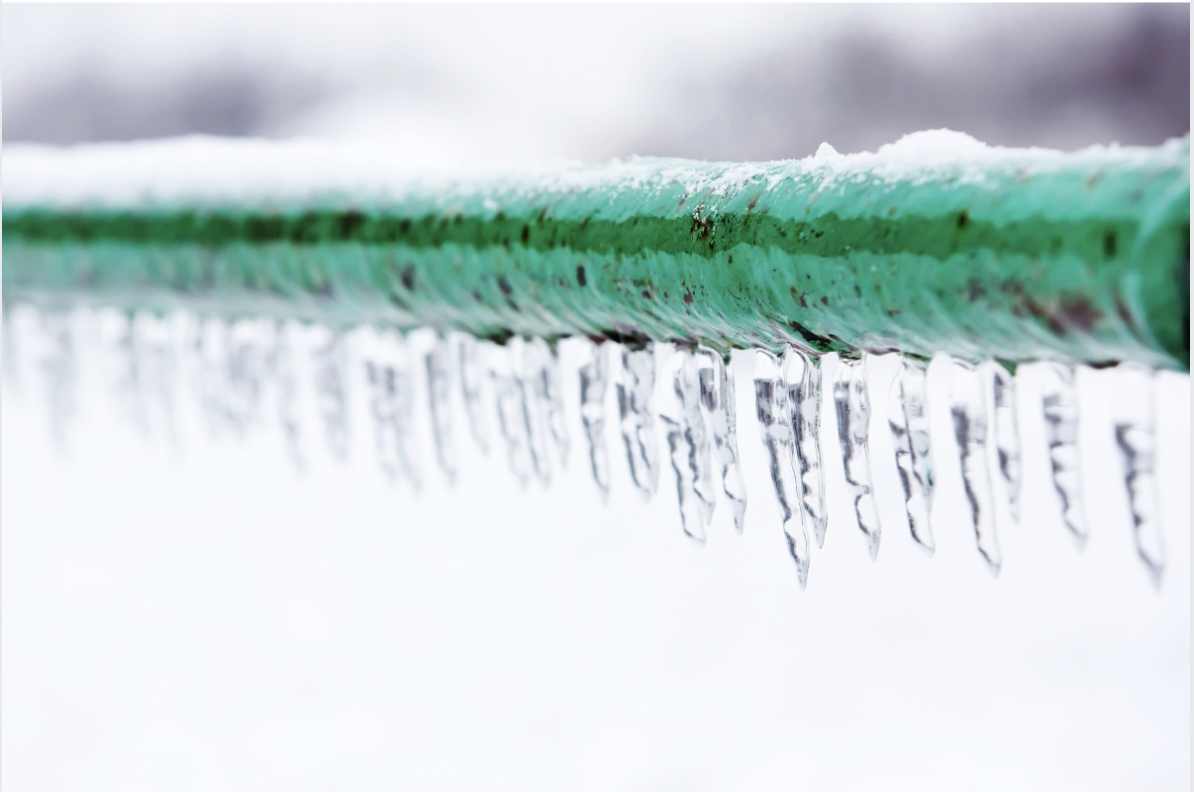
x: 709, y: 82
x: 199, y: 616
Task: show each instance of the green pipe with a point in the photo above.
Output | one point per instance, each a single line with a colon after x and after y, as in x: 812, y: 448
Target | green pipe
x: 1023, y: 256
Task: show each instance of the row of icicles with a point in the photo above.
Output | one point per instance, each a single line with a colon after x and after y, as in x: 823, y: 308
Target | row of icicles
x: 688, y: 389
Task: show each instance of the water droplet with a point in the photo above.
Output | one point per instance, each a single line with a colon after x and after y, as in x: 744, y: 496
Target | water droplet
x: 717, y: 400
x: 1135, y: 430
x: 853, y: 419
x: 594, y: 382
x: 637, y: 418
x: 1059, y: 402
x: 802, y: 376
x: 437, y: 365
x: 774, y: 410
x: 909, y: 421
x: 969, y: 414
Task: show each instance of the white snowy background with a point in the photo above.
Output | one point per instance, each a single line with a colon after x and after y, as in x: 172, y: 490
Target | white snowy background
x: 209, y: 619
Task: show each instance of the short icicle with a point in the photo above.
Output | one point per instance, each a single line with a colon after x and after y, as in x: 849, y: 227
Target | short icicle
x: 594, y: 383
x: 637, y: 418
x: 908, y: 417
x: 717, y: 401
x: 437, y: 365
x: 853, y: 419
x: 1135, y: 430
x: 773, y: 408
x: 1006, y: 436
x: 471, y: 371
x: 1059, y: 403
x: 511, y: 413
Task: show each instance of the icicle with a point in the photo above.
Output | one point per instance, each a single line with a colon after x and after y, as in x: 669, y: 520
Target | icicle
x: 59, y: 371
x: 284, y: 366
x: 12, y: 348
x: 331, y: 389
x: 970, y: 422
x: 472, y: 376
x: 529, y: 364
x: 594, y: 381
x: 1006, y: 436
x: 637, y: 418
x: 439, y: 392
x: 154, y: 342
x: 717, y: 400
x: 511, y: 413
x: 774, y: 409
x: 1136, y: 440
x: 688, y: 445
x: 129, y: 385
x: 909, y: 421
x: 853, y: 418
x: 1059, y: 401
x: 543, y: 371
x: 392, y: 406
x: 243, y: 375
x: 802, y: 376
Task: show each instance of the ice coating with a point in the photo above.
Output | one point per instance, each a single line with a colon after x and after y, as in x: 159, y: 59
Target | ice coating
x: 594, y: 383
x: 853, y: 420
x: 908, y: 417
x: 970, y: 417
x: 717, y: 401
x: 636, y: 415
x: 1059, y: 402
x: 802, y: 377
x: 773, y: 409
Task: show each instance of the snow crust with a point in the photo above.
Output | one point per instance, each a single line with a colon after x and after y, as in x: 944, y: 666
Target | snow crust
x: 208, y: 170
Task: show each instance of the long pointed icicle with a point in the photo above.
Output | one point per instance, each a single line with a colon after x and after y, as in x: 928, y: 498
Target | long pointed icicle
x: 688, y: 445
x: 1059, y: 402
x: 802, y: 376
x: 1006, y: 436
x: 1136, y: 440
x: 908, y: 417
x: 472, y: 377
x: 717, y: 400
x: 637, y: 418
x: 853, y: 419
x: 969, y: 415
x: 594, y: 382
x: 438, y: 368
x: 773, y: 408
x: 543, y: 373
x: 511, y: 414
